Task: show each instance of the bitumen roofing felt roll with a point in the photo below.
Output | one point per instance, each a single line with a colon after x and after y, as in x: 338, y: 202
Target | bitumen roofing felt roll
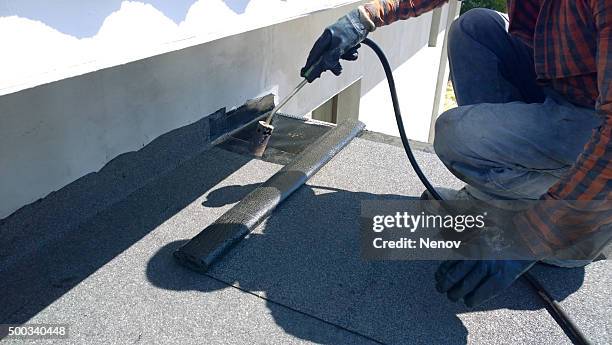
x: 215, y: 240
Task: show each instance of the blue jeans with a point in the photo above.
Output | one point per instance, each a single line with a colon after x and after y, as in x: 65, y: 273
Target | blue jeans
x: 509, y: 138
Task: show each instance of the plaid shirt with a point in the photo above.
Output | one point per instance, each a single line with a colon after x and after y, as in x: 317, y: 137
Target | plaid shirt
x: 572, y: 44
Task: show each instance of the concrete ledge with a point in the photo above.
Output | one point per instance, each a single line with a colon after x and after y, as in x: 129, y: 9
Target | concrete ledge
x: 54, y: 134
x: 132, y: 170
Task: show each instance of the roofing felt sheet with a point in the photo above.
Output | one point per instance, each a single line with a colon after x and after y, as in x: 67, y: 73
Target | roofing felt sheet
x: 111, y: 275
x: 306, y: 255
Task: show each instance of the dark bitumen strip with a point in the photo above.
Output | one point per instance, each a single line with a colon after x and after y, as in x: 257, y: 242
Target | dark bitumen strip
x: 223, y: 122
x: 214, y: 241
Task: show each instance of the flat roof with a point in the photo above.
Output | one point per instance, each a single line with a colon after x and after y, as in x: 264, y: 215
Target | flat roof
x: 297, y: 279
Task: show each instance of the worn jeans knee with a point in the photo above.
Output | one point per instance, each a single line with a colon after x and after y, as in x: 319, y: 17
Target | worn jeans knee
x: 447, y: 142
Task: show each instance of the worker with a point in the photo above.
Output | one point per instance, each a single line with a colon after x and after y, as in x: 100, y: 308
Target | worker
x: 534, y: 120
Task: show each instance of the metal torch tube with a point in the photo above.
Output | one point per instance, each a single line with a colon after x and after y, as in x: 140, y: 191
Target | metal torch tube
x: 285, y: 100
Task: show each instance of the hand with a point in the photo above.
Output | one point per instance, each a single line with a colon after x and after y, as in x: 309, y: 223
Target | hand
x: 477, y: 281
x: 338, y: 41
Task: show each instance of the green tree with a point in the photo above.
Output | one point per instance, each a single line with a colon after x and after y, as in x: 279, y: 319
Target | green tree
x: 498, y: 5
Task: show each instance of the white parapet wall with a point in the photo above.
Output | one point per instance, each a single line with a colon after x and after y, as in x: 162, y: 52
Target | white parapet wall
x: 84, y: 81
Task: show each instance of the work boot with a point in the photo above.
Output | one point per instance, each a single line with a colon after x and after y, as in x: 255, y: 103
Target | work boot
x: 454, y: 202
x: 462, y: 201
x: 496, y: 238
x: 469, y: 193
x: 564, y: 263
x: 449, y: 194
x: 494, y: 207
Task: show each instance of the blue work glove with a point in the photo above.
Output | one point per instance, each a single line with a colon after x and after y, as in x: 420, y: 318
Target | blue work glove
x: 477, y: 281
x: 339, y: 41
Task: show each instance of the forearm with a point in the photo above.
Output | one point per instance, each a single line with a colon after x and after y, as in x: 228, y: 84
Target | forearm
x: 384, y: 12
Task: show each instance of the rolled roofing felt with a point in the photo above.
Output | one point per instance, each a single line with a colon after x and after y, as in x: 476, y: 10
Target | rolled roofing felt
x: 214, y: 241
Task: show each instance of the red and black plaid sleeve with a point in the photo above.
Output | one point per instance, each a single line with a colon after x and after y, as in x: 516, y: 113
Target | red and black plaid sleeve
x: 572, y: 42
x: 563, y: 218
x: 384, y: 12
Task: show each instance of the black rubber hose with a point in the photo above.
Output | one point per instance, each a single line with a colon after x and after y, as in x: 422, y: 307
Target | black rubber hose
x: 554, y: 308
x: 398, y: 117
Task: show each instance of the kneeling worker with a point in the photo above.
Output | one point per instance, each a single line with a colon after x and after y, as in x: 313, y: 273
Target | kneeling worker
x: 534, y: 120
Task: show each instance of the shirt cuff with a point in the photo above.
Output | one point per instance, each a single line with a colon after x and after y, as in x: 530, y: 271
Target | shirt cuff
x: 365, y: 19
x: 531, y: 235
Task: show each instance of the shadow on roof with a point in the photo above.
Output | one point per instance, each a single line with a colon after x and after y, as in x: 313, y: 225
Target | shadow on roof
x: 307, y: 257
